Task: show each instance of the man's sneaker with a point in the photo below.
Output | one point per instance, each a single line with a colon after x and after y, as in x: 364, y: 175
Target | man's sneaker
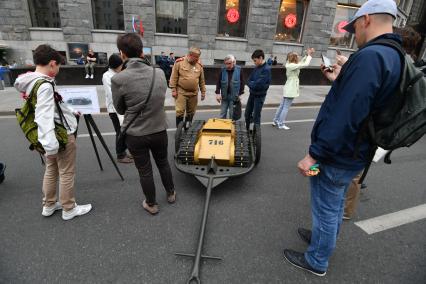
x: 285, y: 127
x: 151, y: 209
x: 87, y: 76
x: 274, y: 123
x: 78, y: 210
x: 171, y: 198
x: 125, y: 160
x: 91, y: 76
x: 305, y: 235
x: 48, y: 211
x: 298, y: 259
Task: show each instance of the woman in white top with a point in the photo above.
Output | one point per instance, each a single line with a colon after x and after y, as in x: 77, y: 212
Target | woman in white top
x: 291, y: 87
x: 115, y: 63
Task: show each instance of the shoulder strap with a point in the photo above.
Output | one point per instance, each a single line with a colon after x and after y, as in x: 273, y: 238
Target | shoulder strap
x: 36, y: 86
x: 145, y: 103
x: 150, y: 91
x: 395, y: 45
x: 389, y: 43
x: 34, y: 91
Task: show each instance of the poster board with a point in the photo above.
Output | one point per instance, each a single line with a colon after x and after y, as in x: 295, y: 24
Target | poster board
x: 82, y: 99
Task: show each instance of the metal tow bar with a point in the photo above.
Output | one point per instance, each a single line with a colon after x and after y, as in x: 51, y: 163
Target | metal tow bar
x: 195, y: 274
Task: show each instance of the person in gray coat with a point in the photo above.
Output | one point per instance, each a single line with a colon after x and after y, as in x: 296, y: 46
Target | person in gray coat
x: 130, y: 89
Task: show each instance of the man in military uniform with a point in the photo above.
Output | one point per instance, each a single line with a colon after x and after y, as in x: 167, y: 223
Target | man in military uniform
x: 186, y: 79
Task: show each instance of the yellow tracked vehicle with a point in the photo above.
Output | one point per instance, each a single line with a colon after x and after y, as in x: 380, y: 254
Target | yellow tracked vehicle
x: 213, y: 151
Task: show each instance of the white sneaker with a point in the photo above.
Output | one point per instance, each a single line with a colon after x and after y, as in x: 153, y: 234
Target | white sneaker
x: 274, y: 123
x: 91, y: 76
x: 285, y: 127
x: 87, y: 76
x: 78, y: 210
x: 48, y: 211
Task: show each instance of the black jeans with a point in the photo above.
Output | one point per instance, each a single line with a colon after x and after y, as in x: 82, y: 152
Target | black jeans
x: 120, y: 148
x: 254, y: 109
x: 139, y: 147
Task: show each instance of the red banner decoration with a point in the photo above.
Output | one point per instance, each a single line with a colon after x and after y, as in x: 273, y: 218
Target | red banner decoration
x: 232, y: 16
x: 340, y: 26
x: 290, y: 21
x: 135, y: 25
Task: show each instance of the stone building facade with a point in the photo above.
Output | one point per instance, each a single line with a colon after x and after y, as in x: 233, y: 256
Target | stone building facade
x: 21, y: 36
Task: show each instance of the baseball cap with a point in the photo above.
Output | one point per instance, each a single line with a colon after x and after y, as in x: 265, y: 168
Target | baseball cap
x: 373, y: 7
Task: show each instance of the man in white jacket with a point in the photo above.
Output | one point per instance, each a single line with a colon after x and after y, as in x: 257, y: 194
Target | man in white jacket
x: 58, y: 163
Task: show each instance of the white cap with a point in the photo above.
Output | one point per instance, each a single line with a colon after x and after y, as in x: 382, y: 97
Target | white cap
x: 373, y: 7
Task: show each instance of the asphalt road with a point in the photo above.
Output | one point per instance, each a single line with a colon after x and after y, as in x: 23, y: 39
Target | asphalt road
x: 252, y: 219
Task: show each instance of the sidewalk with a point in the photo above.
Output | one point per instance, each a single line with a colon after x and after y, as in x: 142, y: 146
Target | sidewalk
x: 309, y: 95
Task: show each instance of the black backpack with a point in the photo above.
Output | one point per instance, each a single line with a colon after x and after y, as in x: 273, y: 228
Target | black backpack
x: 402, y: 122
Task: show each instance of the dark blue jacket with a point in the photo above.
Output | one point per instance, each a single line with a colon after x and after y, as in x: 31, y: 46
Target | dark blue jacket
x: 259, y: 80
x: 365, y: 84
x: 164, y: 64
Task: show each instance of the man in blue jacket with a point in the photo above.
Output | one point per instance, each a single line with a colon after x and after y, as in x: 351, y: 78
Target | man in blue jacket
x: 364, y: 84
x: 164, y: 65
x: 258, y: 83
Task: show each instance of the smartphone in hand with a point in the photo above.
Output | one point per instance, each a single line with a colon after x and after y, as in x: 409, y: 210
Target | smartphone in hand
x: 327, y: 63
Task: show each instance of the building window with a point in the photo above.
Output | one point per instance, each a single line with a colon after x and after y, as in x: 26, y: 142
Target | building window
x: 339, y: 37
x: 291, y: 17
x: 233, y: 18
x: 171, y: 16
x: 44, y: 13
x: 108, y: 14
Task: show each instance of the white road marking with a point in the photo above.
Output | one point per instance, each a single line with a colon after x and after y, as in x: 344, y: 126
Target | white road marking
x: 174, y: 129
x: 392, y: 220
x: 264, y: 108
x: 291, y: 121
x: 200, y: 110
x: 94, y: 134
x: 293, y: 107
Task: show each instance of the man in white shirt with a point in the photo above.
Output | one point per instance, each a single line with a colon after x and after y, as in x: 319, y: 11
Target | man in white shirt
x: 115, y: 63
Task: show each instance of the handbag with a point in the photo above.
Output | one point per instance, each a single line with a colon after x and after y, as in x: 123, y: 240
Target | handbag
x: 236, y: 114
x: 122, y: 137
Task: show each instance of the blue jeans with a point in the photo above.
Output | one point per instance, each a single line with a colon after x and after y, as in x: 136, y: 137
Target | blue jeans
x: 227, y: 106
x: 254, y: 108
x: 328, y: 191
x: 282, y: 111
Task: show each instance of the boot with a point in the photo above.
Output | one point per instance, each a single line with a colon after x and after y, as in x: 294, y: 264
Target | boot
x: 248, y: 125
x: 188, y: 121
x: 179, y: 119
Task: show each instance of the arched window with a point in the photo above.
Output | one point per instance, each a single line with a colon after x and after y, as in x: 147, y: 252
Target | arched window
x: 44, y: 13
x: 108, y: 14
